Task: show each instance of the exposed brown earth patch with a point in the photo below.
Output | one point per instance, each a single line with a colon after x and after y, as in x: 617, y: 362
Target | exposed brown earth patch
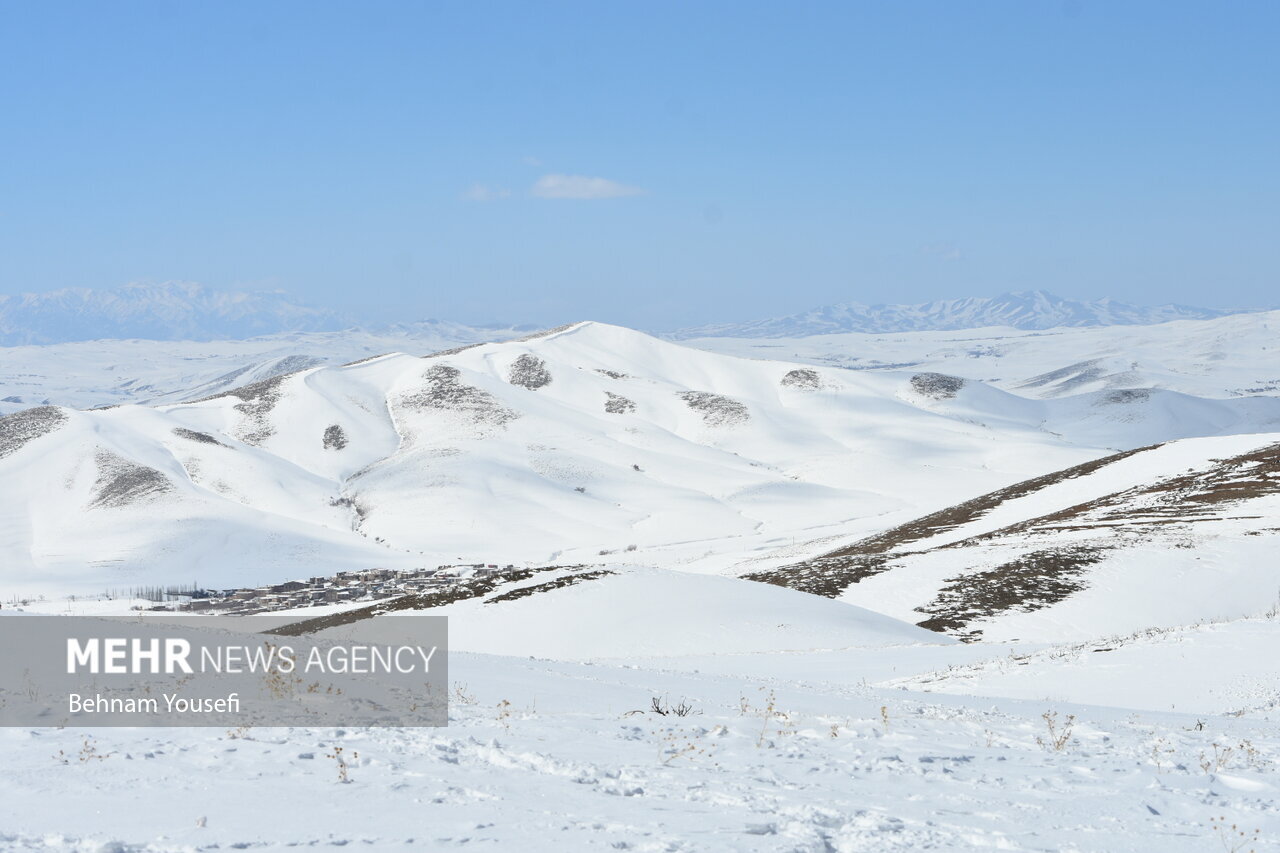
x: 1028, y: 583
x: 122, y: 482
x: 558, y: 583
x: 832, y: 573
x: 461, y: 591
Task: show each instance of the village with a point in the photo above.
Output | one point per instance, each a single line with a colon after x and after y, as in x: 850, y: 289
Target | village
x: 350, y: 586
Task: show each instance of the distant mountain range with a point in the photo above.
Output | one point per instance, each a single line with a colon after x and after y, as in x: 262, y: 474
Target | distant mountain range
x: 178, y: 311
x: 1034, y: 309
x: 171, y: 311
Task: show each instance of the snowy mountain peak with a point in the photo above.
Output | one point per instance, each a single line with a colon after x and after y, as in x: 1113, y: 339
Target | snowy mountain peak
x: 1033, y: 309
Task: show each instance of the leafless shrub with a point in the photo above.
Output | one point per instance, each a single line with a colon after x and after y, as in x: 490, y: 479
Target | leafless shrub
x: 1220, y: 759
x: 663, y: 707
x: 344, y: 769
x: 1233, y: 838
x: 1058, y: 737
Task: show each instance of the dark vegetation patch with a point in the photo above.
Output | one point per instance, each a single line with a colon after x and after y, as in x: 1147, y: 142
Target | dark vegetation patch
x: 558, y: 583
x: 832, y: 573
x: 359, y: 512
x: 802, y: 378
x: 1195, y: 496
x: 939, y: 386
x: 122, y: 482
x: 256, y: 402
x: 461, y: 591
x: 1126, y: 396
x: 715, y: 409
x: 193, y: 435
x: 1047, y: 574
x: 1043, y: 575
x: 444, y: 391
x: 335, y: 437
x: 1031, y: 582
x: 21, y: 427
x: 1269, y: 388
x: 529, y: 371
x: 616, y: 404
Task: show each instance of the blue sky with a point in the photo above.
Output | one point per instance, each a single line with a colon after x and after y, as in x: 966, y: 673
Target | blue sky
x: 654, y: 164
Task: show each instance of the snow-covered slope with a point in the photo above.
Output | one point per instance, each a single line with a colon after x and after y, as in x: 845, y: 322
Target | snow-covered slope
x: 1225, y: 357
x: 1160, y: 536
x: 546, y: 756
x: 570, y: 445
x: 629, y: 612
x: 1206, y: 668
x: 89, y: 374
x: 1019, y: 310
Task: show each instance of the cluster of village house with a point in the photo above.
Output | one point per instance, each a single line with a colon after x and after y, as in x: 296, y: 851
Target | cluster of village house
x: 363, y: 585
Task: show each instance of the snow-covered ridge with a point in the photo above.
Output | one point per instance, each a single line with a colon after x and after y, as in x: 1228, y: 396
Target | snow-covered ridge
x: 574, y: 444
x: 1162, y: 536
x: 1018, y: 310
x: 1231, y: 356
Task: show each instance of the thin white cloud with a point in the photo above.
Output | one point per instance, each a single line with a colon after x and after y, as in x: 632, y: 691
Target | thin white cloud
x: 481, y: 192
x: 581, y: 187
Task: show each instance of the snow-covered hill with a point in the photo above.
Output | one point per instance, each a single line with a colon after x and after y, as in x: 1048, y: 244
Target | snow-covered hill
x: 1034, y: 309
x: 1159, y: 536
x: 667, y: 709
x: 90, y: 374
x: 1225, y: 357
x: 583, y: 443
x: 626, y: 613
